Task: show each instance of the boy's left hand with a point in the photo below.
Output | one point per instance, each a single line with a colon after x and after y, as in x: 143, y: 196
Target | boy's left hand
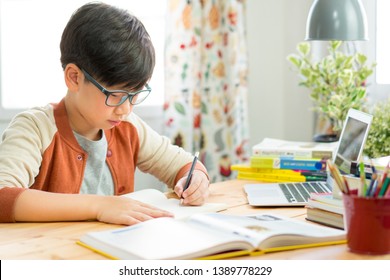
x: 197, y: 192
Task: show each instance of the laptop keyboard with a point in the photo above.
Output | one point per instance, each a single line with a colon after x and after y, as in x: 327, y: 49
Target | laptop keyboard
x: 300, y: 192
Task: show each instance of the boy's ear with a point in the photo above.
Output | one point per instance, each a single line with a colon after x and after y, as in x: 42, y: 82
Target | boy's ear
x: 73, y: 77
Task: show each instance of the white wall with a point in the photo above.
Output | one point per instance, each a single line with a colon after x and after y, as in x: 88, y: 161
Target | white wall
x: 278, y: 107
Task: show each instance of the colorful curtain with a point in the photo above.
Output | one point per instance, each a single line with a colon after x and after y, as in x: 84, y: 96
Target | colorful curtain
x: 206, y: 64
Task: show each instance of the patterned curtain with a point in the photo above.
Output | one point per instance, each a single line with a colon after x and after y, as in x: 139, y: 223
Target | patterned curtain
x: 206, y: 64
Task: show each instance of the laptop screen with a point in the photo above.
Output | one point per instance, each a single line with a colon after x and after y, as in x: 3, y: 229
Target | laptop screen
x: 352, y: 140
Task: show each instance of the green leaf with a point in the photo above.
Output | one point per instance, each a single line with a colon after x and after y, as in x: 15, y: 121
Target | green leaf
x: 180, y: 108
x: 294, y: 59
x: 198, y: 31
x: 204, y: 108
x: 361, y: 93
x: 305, y: 72
x: 361, y: 58
x: 304, y: 48
x: 334, y: 45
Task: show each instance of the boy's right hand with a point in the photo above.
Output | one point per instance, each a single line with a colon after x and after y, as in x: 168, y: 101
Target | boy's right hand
x: 126, y: 211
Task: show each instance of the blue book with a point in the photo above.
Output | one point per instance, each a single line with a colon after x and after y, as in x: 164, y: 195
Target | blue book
x: 288, y: 163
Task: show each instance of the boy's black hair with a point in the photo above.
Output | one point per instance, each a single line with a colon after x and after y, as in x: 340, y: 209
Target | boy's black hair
x: 110, y: 44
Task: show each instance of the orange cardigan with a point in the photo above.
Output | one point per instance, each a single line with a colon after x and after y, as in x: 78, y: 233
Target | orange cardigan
x: 39, y: 151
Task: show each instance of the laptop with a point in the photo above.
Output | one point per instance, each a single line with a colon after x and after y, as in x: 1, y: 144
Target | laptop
x: 350, y: 148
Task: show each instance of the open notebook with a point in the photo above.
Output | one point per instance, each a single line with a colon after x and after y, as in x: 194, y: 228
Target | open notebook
x: 158, y: 199
x: 350, y: 148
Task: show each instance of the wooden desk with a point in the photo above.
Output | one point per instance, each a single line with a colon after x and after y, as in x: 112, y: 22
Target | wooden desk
x: 58, y: 240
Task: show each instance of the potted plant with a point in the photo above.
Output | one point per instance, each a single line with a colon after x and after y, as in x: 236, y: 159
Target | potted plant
x: 337, y: 81
x: 378, y: 140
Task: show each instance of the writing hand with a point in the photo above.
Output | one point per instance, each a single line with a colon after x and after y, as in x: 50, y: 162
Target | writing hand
x: 197, y: 192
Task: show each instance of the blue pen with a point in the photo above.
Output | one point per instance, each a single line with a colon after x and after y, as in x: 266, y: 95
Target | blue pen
x: 374, y: 178
x: 373, y: 190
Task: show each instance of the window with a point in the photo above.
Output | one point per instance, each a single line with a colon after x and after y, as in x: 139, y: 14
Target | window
x: 379, y: 44
x: 30, y: 33
x: 382, y: 42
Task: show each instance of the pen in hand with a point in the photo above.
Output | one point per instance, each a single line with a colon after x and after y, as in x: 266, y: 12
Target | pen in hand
x: 188, y: 181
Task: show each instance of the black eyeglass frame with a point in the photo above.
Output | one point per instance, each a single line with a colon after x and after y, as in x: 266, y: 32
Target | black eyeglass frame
x: 107, y: 92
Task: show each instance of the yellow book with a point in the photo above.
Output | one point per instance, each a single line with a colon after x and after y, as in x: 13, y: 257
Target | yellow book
x: 248, y: 168
x: 210, y: 236
x: 272, y: 177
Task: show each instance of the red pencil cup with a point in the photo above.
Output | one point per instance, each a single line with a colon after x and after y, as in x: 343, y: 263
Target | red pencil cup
x: 367, y: 222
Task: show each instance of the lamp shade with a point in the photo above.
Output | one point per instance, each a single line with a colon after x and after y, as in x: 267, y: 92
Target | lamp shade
x: 337, y: 20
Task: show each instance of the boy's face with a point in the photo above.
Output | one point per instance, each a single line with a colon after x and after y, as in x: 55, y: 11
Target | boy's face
x: 87, y: 110
x: 93, y: 104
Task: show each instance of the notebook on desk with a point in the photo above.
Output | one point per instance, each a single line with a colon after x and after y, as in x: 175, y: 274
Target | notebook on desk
x: 350, y: 148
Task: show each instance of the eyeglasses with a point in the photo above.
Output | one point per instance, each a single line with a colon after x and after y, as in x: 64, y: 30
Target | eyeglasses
x: 118, y: 97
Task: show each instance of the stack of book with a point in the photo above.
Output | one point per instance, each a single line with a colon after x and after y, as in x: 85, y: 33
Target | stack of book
x: 275, y: 160
x: 323, y: 208
x: 378, y: 163
x: 246, y: 172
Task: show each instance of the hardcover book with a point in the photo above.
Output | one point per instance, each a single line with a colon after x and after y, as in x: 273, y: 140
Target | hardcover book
x: 271, y: 147
x: 325, y: 206
x: 325, y: 209
x: 327, y: 198
x: 326, y: 201
x: 324, y: 217
x: 210, y: 236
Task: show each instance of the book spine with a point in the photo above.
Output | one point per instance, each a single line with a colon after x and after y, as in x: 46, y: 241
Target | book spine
x: 284, y: 163
x: 327, y: 200
x: 248, y: 168
x: 320, y: 154
x: 264, y: 180
x: 325, y: 206
x: 272, y: 176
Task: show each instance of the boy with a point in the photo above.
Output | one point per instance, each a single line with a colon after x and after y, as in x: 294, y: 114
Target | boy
x: 70, y: 161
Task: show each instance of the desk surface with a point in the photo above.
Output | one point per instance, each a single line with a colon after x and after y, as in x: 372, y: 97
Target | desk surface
x: 58, y: 240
